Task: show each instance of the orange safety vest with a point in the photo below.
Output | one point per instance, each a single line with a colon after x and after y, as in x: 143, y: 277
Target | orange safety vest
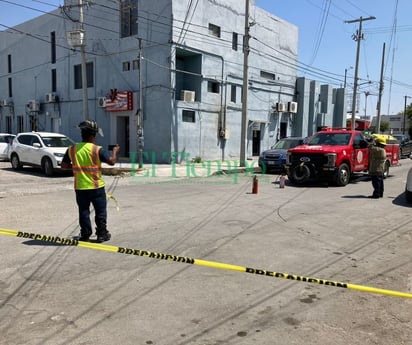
x: 86, y: 165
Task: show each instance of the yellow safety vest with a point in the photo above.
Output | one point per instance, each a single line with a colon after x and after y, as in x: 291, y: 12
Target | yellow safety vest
x: 86, y: 165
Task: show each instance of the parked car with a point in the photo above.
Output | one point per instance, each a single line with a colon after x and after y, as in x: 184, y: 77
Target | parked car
x: 5, y: 140
x: 39, y: 149
x: 405, y: 144
x: 275, y: 159
x: 408, y: 186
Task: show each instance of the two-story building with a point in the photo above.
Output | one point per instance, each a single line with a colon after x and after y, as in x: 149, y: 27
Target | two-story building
x: 163, y: 76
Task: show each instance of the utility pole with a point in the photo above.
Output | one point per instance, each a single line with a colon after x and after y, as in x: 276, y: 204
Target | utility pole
x: 242, y: 160
x: 378, y: 122
x: 77, y: 38
x: 140, y: 110
x: 404, y: 115
x: 84, y: 72
x: 346, y: 73
x: 358, y: 37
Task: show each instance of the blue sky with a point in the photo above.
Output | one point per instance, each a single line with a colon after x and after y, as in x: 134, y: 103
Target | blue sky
x: 325, y: 42
x: 326, y: 47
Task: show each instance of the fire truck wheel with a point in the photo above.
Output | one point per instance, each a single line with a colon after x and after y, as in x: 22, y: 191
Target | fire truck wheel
x: 300, y: 173
x: 342, y: 175
x: 386, y: 171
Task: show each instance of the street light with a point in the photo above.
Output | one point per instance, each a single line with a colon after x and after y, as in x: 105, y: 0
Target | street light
x: 404, y: 115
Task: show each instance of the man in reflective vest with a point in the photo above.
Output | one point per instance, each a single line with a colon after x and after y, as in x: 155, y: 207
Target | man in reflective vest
x: 85, y: 159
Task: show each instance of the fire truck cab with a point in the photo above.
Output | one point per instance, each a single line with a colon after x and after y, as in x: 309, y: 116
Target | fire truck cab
x: 334, y: 155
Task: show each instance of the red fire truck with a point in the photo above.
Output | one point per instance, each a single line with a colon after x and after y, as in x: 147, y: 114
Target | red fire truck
x: 334, y: 155
x: 360, y: 124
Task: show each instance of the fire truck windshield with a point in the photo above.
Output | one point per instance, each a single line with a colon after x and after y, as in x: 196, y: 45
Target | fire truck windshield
x: 334, y: 139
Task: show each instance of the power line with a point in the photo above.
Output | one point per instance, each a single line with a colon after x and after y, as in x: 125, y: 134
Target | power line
x: 324, y: 75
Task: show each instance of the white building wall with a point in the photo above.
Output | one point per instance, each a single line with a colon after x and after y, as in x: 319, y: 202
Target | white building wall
x: 164, y: 26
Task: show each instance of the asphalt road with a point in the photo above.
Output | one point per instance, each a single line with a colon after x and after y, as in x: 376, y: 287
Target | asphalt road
x: 55, y: 295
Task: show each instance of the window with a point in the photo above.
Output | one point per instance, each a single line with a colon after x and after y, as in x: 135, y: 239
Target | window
x: 135, y: 64
x: 234, y: 41
x: 8, y: 124
x: 214, y: 30
x: 233, y: 93
x: 188, y: 116
x: 25, y: 139
x: 126, y: 66
x: 212, y: 87
x: 267, y: 75
x: 53, y: 80
x: 10, y: 88
x: 128, y: 18
x: 53, y: 46
x: 20, y: 124
x: 9, y: 63
x: 78, y: 75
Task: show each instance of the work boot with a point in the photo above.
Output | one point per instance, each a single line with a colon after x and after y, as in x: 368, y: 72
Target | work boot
x: 84, y: 237
x: 103, y: 237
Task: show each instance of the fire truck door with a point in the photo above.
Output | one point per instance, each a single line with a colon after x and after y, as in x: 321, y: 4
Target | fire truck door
x: 360, y: 154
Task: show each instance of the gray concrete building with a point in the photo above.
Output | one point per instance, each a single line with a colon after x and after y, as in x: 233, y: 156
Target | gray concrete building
x: 163, y: 76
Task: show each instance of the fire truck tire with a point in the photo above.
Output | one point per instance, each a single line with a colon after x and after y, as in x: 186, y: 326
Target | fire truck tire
x: 300, y: 173
x: 386, y: 171
x: 342, y: 175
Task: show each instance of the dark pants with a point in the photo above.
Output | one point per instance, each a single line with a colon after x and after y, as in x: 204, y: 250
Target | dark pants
x: 377, y: 184
x: 96, y: 197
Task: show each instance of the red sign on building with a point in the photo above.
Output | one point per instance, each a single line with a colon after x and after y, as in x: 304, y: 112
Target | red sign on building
x: 119, y: 100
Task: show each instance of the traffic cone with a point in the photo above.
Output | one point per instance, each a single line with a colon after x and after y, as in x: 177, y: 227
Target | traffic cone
x: 255, y: 185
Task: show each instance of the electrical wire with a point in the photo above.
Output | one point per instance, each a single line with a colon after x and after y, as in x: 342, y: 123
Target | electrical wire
x: 323, y: 75
x: 321, y: 30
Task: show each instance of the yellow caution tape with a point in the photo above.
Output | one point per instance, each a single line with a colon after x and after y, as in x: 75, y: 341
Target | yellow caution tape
x: 110, y: 196
x: 188, y: 260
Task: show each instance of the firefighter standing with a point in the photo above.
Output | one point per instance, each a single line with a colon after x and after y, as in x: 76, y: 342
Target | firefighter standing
x: 377, y: 158
x: 85, y: 159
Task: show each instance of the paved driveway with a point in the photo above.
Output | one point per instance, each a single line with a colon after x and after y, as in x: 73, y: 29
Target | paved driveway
x: 52, y: 294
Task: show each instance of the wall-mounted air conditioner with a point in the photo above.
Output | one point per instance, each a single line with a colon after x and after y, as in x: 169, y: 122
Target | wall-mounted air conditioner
x: 280, y: 107
x: 33, y: 105
x: 50, y: 97
x: 101, y: 102
x: 187, y: 96
x: 4, y: 103
x: 292, y: 107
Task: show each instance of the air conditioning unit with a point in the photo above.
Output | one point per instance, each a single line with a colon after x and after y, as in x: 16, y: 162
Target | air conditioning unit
x: 280, y: 107
x: 187, y: 96
x: 33, y: 105
x: 4, y: 103
x: 50, y: 97
x: 101, y: 102
x: 292, y: 107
